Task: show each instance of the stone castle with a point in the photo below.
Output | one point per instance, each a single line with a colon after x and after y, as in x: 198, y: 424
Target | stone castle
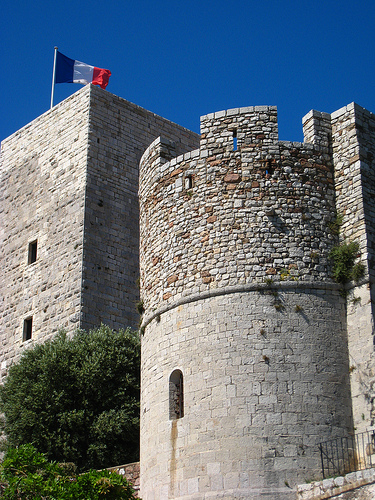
x: 251, y: 352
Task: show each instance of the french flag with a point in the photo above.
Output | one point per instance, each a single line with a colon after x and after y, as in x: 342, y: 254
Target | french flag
x: 71, y: 71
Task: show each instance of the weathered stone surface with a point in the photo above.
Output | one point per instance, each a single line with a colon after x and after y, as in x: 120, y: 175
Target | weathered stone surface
x: 272, y: 215
x: 254, y: 320
x: 255, y: 380
x: 69, y: 180
x: 354, y: 486
x: 235, y: 276
x: 232, y: 178
x: 131, y: 472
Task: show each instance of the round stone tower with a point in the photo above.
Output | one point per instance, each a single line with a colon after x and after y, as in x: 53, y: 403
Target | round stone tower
x: 244, y: 357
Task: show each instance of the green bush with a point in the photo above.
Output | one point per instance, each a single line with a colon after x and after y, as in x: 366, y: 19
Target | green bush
x: 344, y: 266
x: 77, y: 399
x: 27, y: 474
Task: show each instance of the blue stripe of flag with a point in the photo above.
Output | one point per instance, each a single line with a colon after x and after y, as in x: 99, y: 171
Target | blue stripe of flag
x: 64, y: 69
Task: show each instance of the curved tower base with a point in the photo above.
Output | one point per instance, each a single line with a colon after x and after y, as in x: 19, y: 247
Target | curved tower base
x: 265, y: 379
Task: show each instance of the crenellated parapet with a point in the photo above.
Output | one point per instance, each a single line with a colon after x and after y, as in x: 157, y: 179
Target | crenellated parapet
x: 254, y: 126
x: 317, y: 129
x: 245, y: 208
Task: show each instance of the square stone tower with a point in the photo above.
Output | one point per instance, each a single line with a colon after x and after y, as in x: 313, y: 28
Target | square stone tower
x: 69, y: 217
x: 349, y: 136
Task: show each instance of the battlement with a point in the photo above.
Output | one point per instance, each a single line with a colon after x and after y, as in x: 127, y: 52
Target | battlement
x: 239, y: 127
x: 271, y: 201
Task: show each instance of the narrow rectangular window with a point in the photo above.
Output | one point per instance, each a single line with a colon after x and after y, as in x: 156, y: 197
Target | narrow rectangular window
x: 32, y: 252
x: 234, y: 140
x: 176, y: 395
x: 188, y: 182
x: 27, y: 328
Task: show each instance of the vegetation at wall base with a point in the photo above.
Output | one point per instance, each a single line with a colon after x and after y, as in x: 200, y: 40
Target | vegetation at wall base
x: 27, y: 474
x: 77, y: 399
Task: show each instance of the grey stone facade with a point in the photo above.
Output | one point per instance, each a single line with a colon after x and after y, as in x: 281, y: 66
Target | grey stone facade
x: 258, y: 386
x: 236, y: 280
x: 69, y: 181
x: 350, y: 135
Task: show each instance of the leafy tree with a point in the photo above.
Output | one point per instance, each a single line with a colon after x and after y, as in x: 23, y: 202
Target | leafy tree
x: 77, y: 399
x: 27, y: 474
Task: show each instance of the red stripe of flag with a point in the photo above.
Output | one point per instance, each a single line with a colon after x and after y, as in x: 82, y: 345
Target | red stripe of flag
x: 101, y: 77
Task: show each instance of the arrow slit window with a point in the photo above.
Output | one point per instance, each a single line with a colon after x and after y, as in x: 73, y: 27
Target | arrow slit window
x: 32, y: 252
x: 176, y: 395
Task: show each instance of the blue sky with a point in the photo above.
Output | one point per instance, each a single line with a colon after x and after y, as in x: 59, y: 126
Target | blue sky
x: 184, y: 59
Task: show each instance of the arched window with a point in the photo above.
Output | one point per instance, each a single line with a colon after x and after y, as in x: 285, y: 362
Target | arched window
x: 176, y: 395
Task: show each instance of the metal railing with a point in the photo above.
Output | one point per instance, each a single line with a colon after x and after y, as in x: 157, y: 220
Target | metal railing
x: 348, y: 454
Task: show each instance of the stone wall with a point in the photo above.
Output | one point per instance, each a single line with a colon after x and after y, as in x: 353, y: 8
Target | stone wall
x: 119, y: 132
x: 43, y: 179
x: 131, y: 472
x: 359, y: 158
x: 238, y: 295
x: 358, y: 485
x: 69, y: 180
x: 267, y: 205
x: 263, y: 386
x: 349, y: 134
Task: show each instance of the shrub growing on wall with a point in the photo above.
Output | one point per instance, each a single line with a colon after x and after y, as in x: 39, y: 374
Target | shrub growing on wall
x: 77, y: 399
x: 344, y: 266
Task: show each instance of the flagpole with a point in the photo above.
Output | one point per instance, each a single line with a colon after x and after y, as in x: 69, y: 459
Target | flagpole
x: 53, y: 78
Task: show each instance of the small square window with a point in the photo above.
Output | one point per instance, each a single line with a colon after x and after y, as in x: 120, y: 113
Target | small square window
x: 27, y: 328
x: 32, y: 252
